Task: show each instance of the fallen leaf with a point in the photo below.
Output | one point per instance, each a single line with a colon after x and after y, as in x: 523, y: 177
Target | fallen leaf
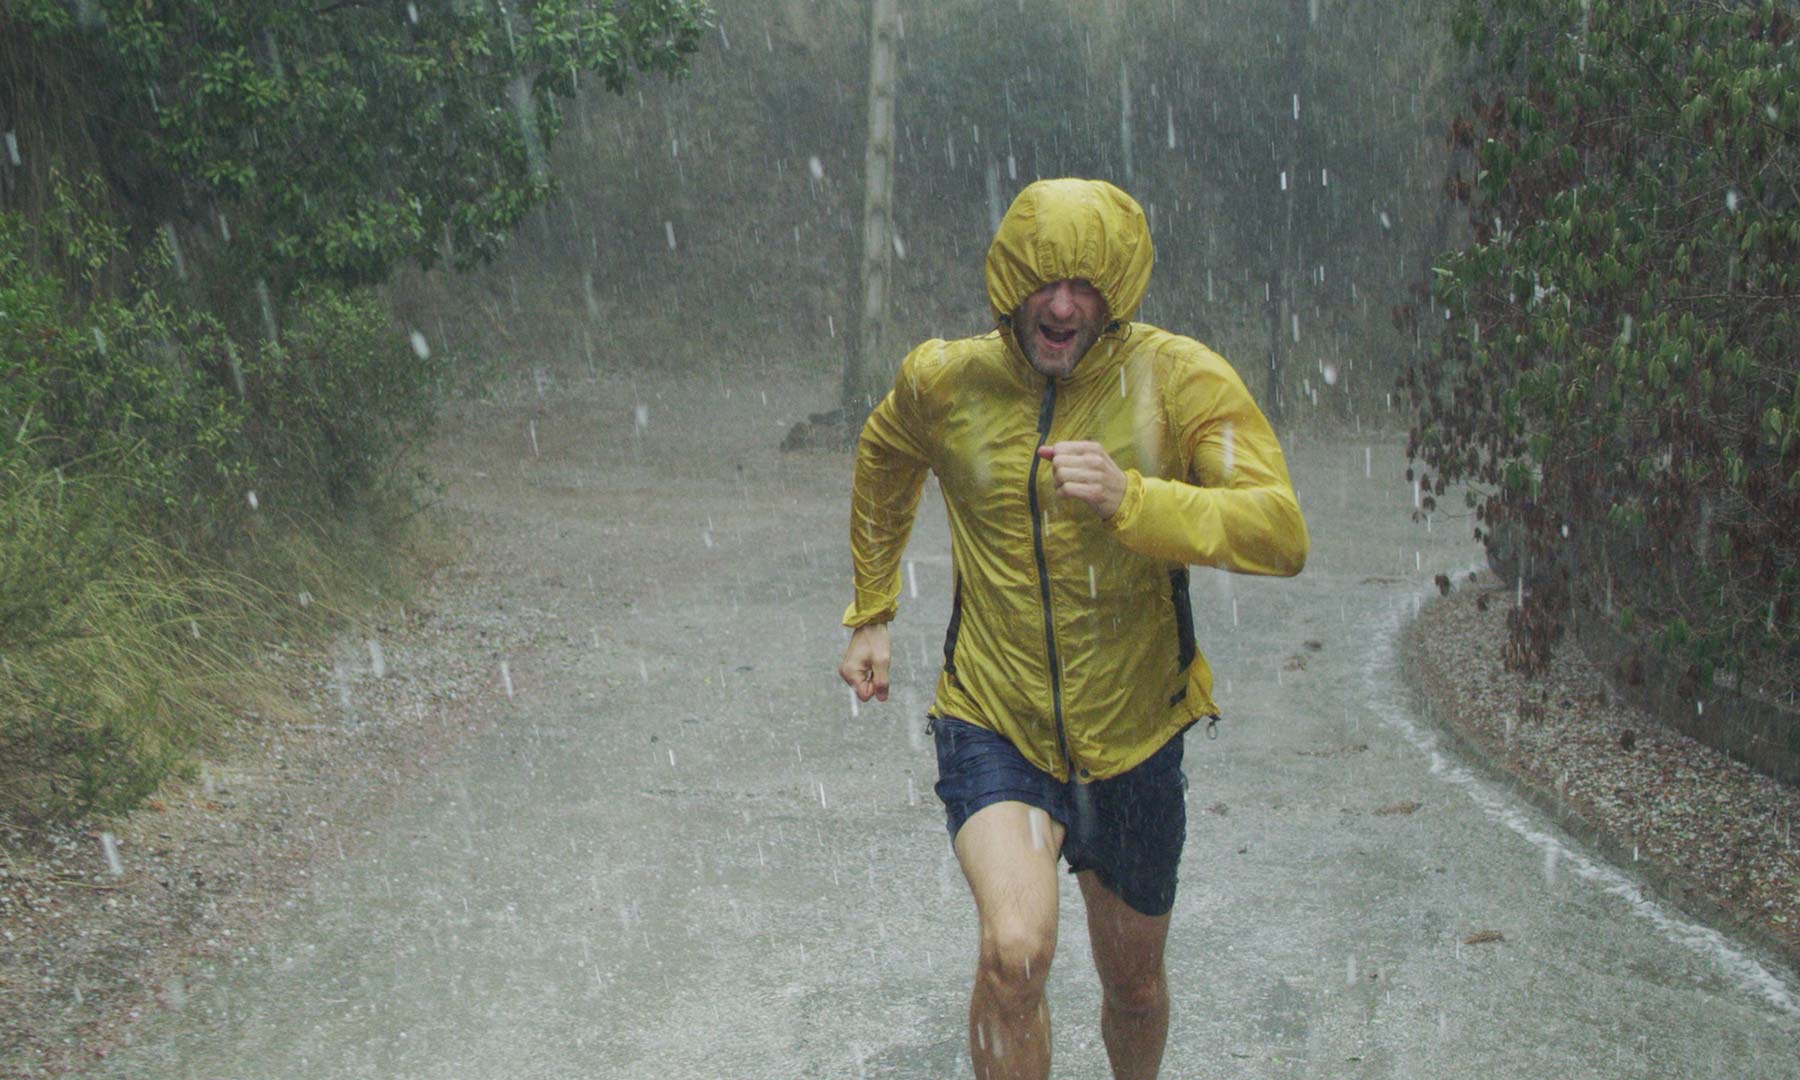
x: 1405, y: 806
x: 1483, y: 937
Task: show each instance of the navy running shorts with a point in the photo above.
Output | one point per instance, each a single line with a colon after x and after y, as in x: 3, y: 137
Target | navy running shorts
x: 1128, y: 829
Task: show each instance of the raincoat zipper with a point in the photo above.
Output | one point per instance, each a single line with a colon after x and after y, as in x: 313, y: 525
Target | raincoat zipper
x: 1043, y: 568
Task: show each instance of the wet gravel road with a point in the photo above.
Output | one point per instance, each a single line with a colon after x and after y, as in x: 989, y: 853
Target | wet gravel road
x: 684, y: 855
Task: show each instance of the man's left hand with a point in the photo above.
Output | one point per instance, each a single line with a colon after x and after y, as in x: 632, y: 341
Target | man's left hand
x: 1085, y: 471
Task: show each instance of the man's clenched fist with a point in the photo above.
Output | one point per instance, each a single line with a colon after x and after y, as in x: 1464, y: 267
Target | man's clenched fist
x: 1085, y: 471
x: 865, y: 663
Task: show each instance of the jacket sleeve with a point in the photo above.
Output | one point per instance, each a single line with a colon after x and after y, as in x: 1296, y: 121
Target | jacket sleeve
x: 892, y: 458
x: 1236, y: 509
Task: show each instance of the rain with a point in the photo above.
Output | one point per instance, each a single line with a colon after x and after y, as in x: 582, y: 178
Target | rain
x: 564, y: 783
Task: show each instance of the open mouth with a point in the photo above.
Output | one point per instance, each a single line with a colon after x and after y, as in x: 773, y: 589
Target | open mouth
x: 1057, y: 337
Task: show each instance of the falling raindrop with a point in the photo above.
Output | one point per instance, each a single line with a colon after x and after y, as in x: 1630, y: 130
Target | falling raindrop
x: 1330, y: 374
x: 419, y: 346
x: 1386, y: 222
x: 250, y: 496
x: 268, y: 308
x: 669, y: 233
x: 377, y: 661
x: 12, y: 149
x: 640, y: 415
x: 816, y: 167
x: 1732, y: 198
x: 109, y: 846
x: 168, y: 231
x: 506, y: 679
x: 912, y: 579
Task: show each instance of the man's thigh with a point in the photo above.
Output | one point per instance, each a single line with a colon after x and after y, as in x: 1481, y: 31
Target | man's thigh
x: 1008, y: 851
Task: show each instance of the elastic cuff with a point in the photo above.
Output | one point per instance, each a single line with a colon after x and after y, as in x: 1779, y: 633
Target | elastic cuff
x: 1128, y: 506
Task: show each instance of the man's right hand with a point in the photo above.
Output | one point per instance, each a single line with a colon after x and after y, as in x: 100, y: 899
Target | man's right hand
x: 865, y: 664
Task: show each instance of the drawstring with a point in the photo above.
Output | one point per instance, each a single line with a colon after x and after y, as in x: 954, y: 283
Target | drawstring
x: 1212, y: 727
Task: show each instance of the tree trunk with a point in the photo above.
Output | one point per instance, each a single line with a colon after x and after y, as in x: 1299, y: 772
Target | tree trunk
x: 1284, y: 277
x: 863, y: 355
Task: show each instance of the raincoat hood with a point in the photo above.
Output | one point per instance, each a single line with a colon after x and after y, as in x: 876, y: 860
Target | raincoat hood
x: 1071, y: 228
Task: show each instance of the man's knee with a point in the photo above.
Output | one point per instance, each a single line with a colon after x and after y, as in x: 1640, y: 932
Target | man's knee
x: 1015, y: 957
x: 1138, y: 992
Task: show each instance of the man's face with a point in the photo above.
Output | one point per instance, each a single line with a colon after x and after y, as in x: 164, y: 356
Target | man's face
x: 1056, y: 325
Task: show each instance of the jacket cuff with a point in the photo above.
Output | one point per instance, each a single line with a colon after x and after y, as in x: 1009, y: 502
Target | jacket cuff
x: 855, y: 616
x: 1130, y: 504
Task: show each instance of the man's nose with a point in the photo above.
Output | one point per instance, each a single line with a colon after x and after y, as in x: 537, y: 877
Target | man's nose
x: 1062, y: 300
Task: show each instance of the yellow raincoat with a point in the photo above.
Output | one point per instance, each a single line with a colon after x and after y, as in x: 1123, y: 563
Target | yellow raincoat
x: 1070, y: 635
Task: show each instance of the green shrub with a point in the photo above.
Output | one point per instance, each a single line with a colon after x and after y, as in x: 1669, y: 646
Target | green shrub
x: 1618, y: 372
x: 337, y: 400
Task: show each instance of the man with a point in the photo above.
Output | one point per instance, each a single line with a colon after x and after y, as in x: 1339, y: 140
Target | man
x: 1085, y: 461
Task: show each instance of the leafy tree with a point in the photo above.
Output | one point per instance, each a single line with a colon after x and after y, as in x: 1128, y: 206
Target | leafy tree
x: 1617, y: 377
x: 329, y: 141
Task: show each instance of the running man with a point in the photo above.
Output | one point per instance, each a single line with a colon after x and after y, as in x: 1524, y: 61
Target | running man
x: 1086, y: 461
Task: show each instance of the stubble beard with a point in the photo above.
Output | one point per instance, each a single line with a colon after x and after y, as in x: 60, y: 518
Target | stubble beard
x: 1027, y: 337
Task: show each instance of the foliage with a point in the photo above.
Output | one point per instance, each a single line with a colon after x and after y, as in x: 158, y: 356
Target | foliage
x: 130, y: 389
x: 326, y: 143
x: 339, y: 397
x: 1617, y: 373
x: 132, y: 441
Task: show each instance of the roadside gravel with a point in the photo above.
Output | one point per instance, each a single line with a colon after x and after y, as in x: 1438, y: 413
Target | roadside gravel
x: 88, y: 947
x: 1710, y: 835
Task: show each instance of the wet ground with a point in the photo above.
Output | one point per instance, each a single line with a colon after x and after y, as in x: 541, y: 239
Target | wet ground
x: 684, y: 853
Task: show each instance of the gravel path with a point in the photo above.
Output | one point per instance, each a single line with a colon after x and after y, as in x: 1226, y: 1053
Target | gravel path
x: 592, y: 541
x: 1704, y: 832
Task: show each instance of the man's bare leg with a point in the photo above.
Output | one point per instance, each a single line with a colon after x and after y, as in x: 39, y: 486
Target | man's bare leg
x: 1128, y: 953
x: 1008, y: 852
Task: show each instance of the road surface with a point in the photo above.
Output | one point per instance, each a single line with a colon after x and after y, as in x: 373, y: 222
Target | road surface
x: 683, y: 854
